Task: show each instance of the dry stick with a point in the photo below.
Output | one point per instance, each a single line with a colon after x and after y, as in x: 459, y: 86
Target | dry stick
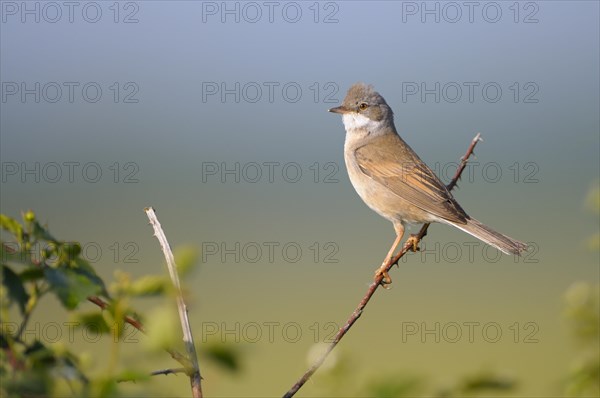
x: 188, y: 339
x: 373, y: 287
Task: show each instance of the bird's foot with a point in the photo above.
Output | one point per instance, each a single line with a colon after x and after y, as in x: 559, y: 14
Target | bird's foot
x: 414, y: 240
x: 382, y: 276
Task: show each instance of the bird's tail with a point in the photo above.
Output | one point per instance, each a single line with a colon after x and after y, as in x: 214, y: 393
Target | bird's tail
x: 486, y: 234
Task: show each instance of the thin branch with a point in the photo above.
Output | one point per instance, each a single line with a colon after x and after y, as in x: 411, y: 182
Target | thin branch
x: 103, y: 305
x: 408, y: 246
x: 463, y: 162
x: 23, y: 325
x: 168, y: 371
x: 188, y: 339
x: 156, y: 373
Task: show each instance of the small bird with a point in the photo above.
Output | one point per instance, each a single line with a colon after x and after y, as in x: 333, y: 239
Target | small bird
x: 393, y: 181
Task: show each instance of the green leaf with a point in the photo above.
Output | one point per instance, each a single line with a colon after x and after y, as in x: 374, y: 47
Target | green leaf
x: 485, y: 380
x: 12, y: 226
x: 73, y: 285
x: 185, y: 258
x: 593, y: 200
x: 32, y: 274
x: 28, y: 384
x: 40, y: 355
x: 69, y: 251
x: 103, y: 387
x: 583, y: 311
x: 93, y: 321
x: 225, y: 355
x: 87, y: 269
x: 36, y: 229
x: 132, y: 375
x: 149, y: 285
x: 16, y: 291
x: 161, y: 331
x: 14, y: 254
x: 394, y: 386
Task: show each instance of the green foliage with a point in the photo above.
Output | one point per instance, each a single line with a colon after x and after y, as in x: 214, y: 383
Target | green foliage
x: 394, y: 387
x: 149, y: 285
x: 185, y: 257
x: 12, y: 226
x: 14, y: 286
x: 39, y: 365
x: 593, y: 204
x: 582, y: 302
x: 33, y: 265
x: 483, y: 382
x: 593, y: 199
x: 582, y: 309
x: 34, y: 257
x: 161, y: 331
x: 95, y: 321
x: 582, y: 312
x: 225, y: 355
x: 72, y: 285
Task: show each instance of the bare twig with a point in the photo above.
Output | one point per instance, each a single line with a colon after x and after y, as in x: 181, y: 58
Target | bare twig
x: 188, y: 339
x: 156, y: 373
x: 103, y: 304
x: 463, y: 162
x: 408, y: 246
x: 168, y: 371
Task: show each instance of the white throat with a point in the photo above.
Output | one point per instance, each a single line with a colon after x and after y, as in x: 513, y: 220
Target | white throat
x: 355, y: 121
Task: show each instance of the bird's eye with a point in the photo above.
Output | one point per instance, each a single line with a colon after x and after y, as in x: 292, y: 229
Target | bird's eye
x: 362, y: 106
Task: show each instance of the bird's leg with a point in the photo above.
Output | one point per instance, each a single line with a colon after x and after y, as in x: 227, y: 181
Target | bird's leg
x: 382, y: 271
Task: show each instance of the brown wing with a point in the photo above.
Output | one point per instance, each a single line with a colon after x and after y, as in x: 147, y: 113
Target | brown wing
x: 391, y: 162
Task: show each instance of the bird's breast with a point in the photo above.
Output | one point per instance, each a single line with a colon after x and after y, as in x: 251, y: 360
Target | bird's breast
x: 380, y: 198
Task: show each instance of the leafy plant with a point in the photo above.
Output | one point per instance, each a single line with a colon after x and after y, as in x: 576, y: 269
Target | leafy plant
x: 34, y: 265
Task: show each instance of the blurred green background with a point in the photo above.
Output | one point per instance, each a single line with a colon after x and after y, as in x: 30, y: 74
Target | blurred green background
x: 285, y: 257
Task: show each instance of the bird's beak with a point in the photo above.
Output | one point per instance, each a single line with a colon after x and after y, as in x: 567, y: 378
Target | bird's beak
x: 340, y: 109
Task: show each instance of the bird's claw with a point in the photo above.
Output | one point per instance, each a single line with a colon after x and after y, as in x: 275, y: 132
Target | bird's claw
x: 383, y: 277
x: 414, y: 240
